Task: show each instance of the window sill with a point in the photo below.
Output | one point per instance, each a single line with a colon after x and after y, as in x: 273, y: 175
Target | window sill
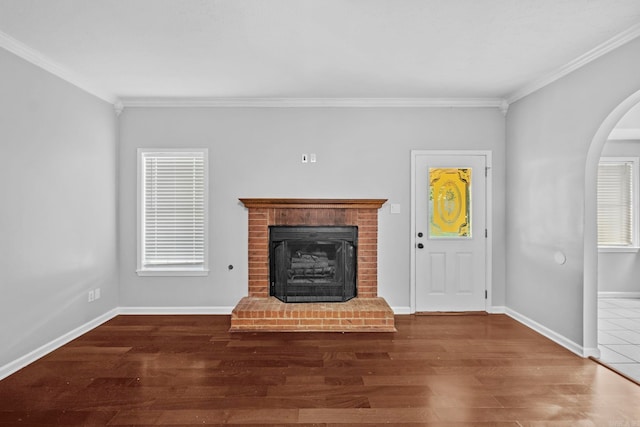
x: 612, y: 249
x: 173, y: 273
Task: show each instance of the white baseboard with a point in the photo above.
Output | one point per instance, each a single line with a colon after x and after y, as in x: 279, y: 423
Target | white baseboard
x: 36, y: 354
x: 592, y: 352
x: 42, y: 351
x: 401, y: 310
x: 497, y: 309
x: 543, y: 330
x: 604, y: 294
x: 175, y: 310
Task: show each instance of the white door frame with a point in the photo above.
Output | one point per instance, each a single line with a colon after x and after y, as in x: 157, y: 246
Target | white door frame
x: 489, y: 217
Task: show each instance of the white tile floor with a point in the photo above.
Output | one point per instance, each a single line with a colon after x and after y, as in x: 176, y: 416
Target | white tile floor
x: 619, y: 334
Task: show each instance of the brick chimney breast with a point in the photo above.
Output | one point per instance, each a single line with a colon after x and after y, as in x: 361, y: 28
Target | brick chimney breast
x: 362, y: 213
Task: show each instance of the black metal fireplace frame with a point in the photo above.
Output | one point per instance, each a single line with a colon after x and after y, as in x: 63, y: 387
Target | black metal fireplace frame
x: 343, y: 285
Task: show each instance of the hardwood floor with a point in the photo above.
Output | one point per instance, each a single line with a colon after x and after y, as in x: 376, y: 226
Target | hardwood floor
x: 435, y: 371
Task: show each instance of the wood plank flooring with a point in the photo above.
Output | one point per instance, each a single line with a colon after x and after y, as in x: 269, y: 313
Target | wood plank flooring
x: 435, y: 371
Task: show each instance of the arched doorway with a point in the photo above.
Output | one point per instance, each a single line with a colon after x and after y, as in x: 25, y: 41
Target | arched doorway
x: 590, y: 289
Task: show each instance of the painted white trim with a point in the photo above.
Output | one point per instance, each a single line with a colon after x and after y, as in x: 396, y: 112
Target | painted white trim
x: 606, y: 294
x: 497, y: 309
x: 173, y: 273
x: 42, y: 351
x: 488, y: 215
x: 118, y: 107
x: 613, y: 249
x: 38, y: 59
x: 412, y: 253
x: 47, y: 348
x: 543, y: 330
x: 175, y: 310
x: 316, y: 102
x: 624, y: 134
x: 401, y: 310
x: 591, y: 352
x: 595, y: 53
x: 489, y: 225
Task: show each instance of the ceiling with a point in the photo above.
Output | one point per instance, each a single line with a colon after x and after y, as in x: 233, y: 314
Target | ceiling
x: 314, y: 48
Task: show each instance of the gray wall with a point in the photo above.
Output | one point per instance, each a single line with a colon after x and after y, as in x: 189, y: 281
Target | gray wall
x: 58, y: 215
x: 631, y: 120
x: 255, y: 152
x: 549, y: 134
x: 60, y: 168
x: 620, y: 271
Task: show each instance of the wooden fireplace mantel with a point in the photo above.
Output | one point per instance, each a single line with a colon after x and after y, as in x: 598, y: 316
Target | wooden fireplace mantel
x: 314, y: 203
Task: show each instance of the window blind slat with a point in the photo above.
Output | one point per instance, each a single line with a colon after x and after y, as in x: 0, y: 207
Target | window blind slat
x: 615, y: 203
x: 173, y: 205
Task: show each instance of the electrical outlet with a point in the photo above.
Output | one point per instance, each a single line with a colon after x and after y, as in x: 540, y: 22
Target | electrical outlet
x: 96, y: 293
x: 312, y: 157
x: 92, y: 296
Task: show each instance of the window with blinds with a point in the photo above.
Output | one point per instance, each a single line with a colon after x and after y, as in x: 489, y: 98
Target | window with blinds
x: 617, y: 204
x: 172, y: 212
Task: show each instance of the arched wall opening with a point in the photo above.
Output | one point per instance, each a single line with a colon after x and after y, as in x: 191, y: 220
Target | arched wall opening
x: 590, y: 289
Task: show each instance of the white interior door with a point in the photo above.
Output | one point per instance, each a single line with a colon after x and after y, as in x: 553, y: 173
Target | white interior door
x: 450, y: 232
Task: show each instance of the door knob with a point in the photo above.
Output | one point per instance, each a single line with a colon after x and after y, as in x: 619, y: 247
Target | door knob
x: 420, y: 234
x: 420, y: 246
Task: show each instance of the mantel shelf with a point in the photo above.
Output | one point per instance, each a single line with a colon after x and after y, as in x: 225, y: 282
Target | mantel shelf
x: 314, y: 203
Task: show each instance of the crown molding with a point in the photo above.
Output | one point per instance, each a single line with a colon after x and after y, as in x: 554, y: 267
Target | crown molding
x: 33, y: 56
x: 595, y: 53
x: 118, y: 107
x: 38, y: 59
x: 315, y: 102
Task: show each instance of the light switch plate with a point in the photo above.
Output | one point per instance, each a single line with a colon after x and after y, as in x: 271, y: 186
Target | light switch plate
x: 395, y: 208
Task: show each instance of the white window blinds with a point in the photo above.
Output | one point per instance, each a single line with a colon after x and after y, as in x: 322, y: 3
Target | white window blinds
x: 616, y: 203
x: 173, y: 211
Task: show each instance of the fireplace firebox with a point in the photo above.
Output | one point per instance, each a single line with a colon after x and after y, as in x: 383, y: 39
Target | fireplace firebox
x: 313, y: 263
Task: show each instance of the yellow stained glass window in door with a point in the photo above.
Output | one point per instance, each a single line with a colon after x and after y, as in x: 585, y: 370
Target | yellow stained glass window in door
x: 450, y: 202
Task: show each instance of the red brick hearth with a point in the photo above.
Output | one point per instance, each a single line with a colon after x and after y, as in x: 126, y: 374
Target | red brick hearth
x: 260, y: 312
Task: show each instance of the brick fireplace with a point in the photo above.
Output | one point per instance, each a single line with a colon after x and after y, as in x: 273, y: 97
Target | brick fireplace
x: 261, y: 312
